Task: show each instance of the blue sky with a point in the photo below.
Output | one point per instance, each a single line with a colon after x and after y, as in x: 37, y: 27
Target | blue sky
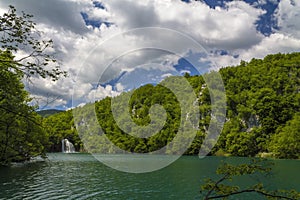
x: 87, y: 34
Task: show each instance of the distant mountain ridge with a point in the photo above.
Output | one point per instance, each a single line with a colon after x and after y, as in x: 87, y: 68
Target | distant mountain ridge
x: 49, y: 112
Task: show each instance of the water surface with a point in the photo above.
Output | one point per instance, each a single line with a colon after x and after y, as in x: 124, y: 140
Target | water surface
x: 80, y: 176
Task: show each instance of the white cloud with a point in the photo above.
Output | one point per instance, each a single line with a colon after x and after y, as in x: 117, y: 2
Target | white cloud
x: 85, y: 54
x: 285, y: 40
x: 62, y: 14
x: 166, y: 75
x: 185, y: 71
x: 120, y: 87
x: 288, y: 15
x: 44, y: 101
x: 230, y: 28
x: 223, y: 61
x: 273, y: 44
x: 100, y: 93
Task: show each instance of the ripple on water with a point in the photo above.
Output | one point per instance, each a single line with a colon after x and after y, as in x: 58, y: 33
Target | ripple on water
x: 81, y: 177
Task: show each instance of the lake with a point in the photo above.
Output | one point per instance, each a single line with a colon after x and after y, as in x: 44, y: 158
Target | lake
x: 81, y: 176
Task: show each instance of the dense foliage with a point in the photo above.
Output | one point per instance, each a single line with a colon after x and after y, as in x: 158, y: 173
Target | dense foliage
x: 262, y: 96
x: 49, y: 112
x: 18, y: 33
x: 21, y: 132
x: 22, y: 135
x: 262, y: 113
x: 61, y: 126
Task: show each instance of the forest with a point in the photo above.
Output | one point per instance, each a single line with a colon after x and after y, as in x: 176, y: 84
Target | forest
x: 262, y: 117
x: 262, y: 107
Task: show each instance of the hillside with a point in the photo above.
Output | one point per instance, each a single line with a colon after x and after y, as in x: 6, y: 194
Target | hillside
x: 262, y: 114
x: 47, y: 113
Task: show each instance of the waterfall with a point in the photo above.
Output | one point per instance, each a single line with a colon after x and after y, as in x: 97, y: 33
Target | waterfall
x: 67, y: 146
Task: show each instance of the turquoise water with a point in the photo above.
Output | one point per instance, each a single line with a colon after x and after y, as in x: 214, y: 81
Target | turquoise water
x: 80, y: 176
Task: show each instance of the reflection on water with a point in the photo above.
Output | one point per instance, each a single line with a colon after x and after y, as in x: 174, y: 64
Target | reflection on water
x: 80, y: 176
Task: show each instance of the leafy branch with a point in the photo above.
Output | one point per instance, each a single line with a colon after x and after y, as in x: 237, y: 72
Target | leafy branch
x: 217, y: 189
x: 18, y: 33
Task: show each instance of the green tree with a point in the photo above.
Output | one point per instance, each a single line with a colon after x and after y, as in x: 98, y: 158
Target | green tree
x: 262, y: 96
x: 18, y: 33
x: 21, y: 133
x: 61, y: 126
x: 222, y: 189
x: 285, y: 144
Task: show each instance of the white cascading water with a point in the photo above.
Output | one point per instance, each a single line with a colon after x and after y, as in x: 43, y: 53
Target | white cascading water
x: 67, y: 146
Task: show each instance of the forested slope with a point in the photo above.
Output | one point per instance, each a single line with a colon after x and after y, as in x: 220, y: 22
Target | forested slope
x: 262, y: 113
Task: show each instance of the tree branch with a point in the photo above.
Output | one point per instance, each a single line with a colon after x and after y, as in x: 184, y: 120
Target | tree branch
x: 249, y: 191
x: 216, y: 185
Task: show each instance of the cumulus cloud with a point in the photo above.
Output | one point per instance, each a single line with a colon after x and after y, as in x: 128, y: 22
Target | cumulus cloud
x: 102, y: 92
x: 288, y: 18
x: 231, y: 27
x: 44, y: 102
x: 87, y: 51
x: 285, y: 40
x: 275, y: 43
x: 62, y: 14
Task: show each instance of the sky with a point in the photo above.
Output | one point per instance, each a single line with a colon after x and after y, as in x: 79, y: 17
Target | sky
x: 111, y: 46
